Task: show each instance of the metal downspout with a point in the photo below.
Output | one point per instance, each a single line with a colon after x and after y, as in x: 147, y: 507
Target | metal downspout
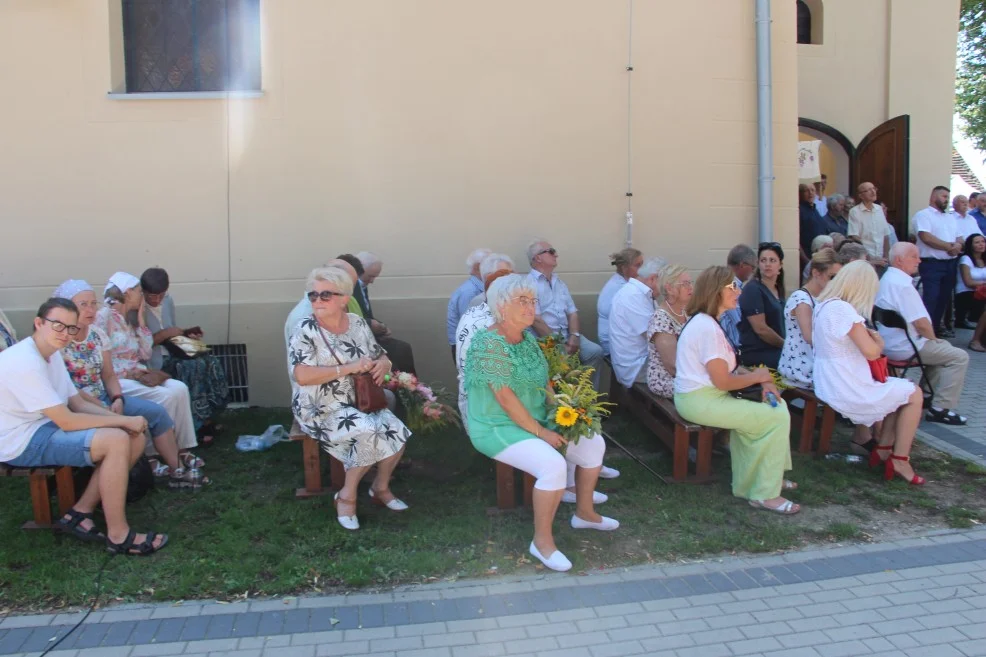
x: 765, y: 123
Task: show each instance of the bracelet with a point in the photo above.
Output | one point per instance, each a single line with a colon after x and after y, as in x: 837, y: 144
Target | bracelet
x: 537, y: 431
x: 114, y: 398
x: 337, y: 372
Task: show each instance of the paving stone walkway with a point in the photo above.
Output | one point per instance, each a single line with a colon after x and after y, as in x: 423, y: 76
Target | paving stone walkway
x: 917, y: 597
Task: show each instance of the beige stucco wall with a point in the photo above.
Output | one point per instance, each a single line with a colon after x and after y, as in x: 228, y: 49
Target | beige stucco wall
x: 880, y: 59
x: 418, y: 130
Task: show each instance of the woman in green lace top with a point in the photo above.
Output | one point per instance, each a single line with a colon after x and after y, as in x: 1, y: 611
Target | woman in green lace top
x: 506, y: 377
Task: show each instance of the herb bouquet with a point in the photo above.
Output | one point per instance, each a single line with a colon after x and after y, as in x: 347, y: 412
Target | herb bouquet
x: 578, y: 407
x: 425, y: 410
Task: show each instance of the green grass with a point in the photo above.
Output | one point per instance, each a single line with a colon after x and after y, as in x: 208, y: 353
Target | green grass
x: 247, y: 535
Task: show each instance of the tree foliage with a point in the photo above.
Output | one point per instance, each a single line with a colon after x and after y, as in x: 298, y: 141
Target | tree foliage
x: 970, y: 87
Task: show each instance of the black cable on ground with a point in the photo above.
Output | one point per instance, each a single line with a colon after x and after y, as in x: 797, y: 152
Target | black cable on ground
x: 634, y: 457
x: 95, y: 600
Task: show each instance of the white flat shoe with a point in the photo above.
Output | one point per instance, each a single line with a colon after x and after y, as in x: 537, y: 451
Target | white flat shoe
x: 394, y: 504
x: 347, y: 522
x: 608, y: 473
x: 605, y: 525
x: 558, y: 561
x: 568, y: 497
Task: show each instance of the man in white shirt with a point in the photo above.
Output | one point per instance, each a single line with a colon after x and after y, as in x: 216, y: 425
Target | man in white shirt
x: 965, y: 223
x: 868, y: 221
x: 556, y: 311
x: 821, y: 201
x: 633, y: 307
x: 939, y: 249
x: 44, y: 421
x: 946, y: 364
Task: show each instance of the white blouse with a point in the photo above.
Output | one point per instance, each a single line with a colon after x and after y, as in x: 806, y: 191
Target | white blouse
x: 702, y: 340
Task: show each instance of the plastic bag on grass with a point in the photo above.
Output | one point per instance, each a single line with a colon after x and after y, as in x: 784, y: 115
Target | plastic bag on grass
x: 275, y: 434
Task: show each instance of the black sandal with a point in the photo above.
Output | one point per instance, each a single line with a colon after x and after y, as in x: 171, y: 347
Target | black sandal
x: 128, y: 547
x: 72, y: 527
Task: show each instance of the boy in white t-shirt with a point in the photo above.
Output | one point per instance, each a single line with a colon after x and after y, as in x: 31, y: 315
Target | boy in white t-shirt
x: 44, y: 421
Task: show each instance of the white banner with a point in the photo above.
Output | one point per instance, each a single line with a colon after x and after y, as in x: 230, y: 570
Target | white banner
x: 808, y: 161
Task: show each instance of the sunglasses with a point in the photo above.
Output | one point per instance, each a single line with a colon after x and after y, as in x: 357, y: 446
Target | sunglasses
x: 733, y: 285
x: 550, y: 251
x: 59, y: 327
x: 324, y: 295
x: 769, y: 245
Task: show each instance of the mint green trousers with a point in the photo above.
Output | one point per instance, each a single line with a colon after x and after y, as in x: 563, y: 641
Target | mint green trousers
x: 759, y: 444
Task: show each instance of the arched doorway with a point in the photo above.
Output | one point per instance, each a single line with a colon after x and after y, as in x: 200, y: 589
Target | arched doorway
x: 836, y: 154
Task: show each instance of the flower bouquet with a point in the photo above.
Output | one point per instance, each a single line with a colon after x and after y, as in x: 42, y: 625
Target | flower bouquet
x: 578, y: 406
x: 561, y: 364
x: 425, y: 411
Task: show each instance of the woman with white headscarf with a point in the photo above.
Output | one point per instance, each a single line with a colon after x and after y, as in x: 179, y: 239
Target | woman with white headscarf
x: 90, y: 367
x: 131, y: 345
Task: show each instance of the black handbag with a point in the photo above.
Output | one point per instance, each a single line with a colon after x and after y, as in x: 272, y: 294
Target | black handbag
x: 750, y: 393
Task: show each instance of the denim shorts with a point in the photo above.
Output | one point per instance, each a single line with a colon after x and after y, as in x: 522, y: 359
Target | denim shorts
x: 51, y: 446
x: 158, y: 420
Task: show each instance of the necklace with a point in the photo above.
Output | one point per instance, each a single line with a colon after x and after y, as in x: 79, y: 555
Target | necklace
x: 678, y: 316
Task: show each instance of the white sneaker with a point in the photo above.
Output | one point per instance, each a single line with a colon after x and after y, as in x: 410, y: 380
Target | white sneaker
x: 608, y: 473
x: 605, y: 525
x: 568, y: 497
x: 557, y: 561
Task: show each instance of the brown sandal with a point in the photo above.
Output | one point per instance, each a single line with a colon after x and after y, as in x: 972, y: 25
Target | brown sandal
x: 348, y: 522
x: 394, y: 504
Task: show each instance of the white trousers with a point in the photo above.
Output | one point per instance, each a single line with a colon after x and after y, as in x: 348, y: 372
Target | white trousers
x: 547, y: 465
x: 173, y: 395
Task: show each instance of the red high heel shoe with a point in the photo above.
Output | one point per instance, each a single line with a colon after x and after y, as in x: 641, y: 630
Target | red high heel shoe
x: 890, y: 472
x: 875, y: 460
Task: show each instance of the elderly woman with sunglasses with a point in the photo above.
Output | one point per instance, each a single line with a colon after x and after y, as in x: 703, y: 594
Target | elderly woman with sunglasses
x: 706, y: 374
x: 130, y: 342
x: 90, y: 366
x: 506, y: 377
x: 326, y: 350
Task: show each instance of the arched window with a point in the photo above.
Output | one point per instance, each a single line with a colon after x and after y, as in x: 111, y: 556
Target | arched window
x: 804, y: 22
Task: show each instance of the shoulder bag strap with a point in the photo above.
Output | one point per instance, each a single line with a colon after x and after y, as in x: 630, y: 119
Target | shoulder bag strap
x: 810, y: 298
x: 325, y: 340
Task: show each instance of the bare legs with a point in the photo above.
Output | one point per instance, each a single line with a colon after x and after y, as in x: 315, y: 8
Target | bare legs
x: 899, y: 428
x: 385, y: 469
x: 545, y: 506
x: 585, y: 486
x: 381, y: 482
x: 167, y: 448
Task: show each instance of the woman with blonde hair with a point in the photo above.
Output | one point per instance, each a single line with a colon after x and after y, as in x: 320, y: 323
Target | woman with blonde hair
x: 706, y: 374
x: 842, y: 376
x: 665, y: 327
x: 627, y: 262
x: 797, y: 356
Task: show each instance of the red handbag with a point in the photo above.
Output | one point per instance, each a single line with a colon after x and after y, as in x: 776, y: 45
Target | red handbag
x: 879, y: 369
x: 980, y: 293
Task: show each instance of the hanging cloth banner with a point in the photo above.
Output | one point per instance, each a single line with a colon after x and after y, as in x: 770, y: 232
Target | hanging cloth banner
x: 808, y: 161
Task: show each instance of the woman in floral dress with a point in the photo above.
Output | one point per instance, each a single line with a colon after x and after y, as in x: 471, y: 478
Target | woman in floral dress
x: 665, y: 327
x: 325, y: 351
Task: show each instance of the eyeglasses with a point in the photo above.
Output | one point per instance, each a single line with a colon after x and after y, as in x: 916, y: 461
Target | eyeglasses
x: 59, y: 327
x: 550, y: 251
x: 525, y: 301
x: 688, y: 283
x: 324, y: 295
x: 733, y: 285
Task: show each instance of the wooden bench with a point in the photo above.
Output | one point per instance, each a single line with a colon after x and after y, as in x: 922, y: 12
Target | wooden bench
x: 506, y: 488
x: 41, y: 494
x: 311, y: 459
x: 660, y: 416
x: 809, y: 420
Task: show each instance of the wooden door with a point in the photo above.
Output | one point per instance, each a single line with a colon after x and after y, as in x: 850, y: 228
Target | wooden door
x: 882, y: 158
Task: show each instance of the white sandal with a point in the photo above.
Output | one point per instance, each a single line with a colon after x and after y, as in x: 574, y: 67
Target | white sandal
x: 787, y: 484
x: 348, y: 522
x: 394, y: 504
x: 787, y: 508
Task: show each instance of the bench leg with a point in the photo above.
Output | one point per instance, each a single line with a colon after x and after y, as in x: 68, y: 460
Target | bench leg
x: 679, y: 470
x: 41, y: 502
x: 528, y: 490
x: 703, y: 462
x: 65, y: 486
x: 312, y: 462
x: 506, y: 496
x: 808, y: 426
x: 828, y: 425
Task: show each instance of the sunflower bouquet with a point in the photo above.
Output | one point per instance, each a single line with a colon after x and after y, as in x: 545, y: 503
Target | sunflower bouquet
x: 578, y: 406
x: 424, y: 408
x: 561, y: 364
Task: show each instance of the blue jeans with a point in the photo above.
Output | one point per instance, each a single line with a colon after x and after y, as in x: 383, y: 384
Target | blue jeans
x: 158, y: 420
x: 937, y: 283
x: 51, y: 446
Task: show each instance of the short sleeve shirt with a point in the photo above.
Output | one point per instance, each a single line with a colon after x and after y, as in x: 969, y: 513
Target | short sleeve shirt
x: 701, y: 341
x: 870, y: 226
x: 159, y: 319
x: 554, y: 302
x: 939, y: 224
x: 28, y: 385
x: 897, y: 293
x: 756, y: 299
x: 966, y: 226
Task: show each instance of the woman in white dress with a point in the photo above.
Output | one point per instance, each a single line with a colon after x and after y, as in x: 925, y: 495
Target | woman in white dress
x: 842, y: 377
x: 797, y: 356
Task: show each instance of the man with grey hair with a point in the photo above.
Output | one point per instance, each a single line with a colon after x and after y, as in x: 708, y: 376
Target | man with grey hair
x: 491, y: 264
x: 965, y: 223
x: 742, y: 260
x: 633, y: 307
x: 556, y: 311
x: 399, y: 352
x: 947, y: 365
x: 463, y: 294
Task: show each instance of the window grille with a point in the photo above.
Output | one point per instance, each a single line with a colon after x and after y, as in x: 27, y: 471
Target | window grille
x: 234, y: 360
x: 191, y: 45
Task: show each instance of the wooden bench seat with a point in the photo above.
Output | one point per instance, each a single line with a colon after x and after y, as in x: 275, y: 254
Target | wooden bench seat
x: 311, y: 459
x: 810, y: 419
x: 662, y: 418
x: 41, y: 494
